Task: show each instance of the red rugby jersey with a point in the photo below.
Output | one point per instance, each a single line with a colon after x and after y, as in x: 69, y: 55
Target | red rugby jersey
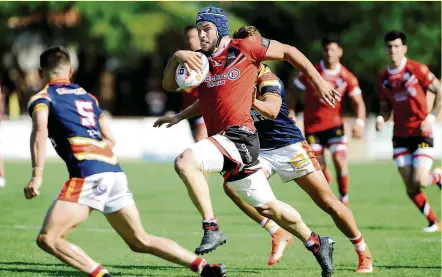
x: 405, y: 88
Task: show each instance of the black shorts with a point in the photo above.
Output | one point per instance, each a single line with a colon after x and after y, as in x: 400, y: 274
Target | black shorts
x: 327, y: 137
x: 246, y: 142
x: 412, y: 143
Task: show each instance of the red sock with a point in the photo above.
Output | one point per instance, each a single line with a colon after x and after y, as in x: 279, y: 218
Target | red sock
x: 213, y: 219
x: 359, y: 243
x: 343, y: 185
x: 99, y: 271
x: 198, y: 265
x: 420, y: 200
x: 327, y: 175
x: 313, y: 243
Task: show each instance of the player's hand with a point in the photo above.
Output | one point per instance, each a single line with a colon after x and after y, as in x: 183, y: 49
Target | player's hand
x: 357, y: 132
x: 426, y: 127
x: 190, y: 60
x: 171, y: 120
x: 33, y: 188
x: 380, y: 122
x: 326, y: 91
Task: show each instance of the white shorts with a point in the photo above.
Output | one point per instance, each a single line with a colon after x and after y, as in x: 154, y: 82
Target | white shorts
x: 106, y: 192
x: 290, y: 162
x: 420, y: 158
x: 253, y: 189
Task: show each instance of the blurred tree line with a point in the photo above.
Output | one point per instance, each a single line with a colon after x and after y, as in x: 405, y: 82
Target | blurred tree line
x: 140, y: 36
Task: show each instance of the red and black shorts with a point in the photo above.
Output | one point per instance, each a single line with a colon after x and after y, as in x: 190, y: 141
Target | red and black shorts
x: 333, y: 138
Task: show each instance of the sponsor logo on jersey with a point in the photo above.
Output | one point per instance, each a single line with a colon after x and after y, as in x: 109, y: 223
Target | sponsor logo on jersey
x: 77, y: 91
x: 220, y: 79
x: 234, y: 74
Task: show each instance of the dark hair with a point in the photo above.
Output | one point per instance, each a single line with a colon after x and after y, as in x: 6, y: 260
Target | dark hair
x: 393, y: 35
x: 331, y: 38
x: 53, y: 57
x: 246, y: 31
x: 188, y: 28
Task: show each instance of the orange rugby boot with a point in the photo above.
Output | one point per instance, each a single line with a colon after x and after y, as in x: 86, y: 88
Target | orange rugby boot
x: 365, y: 261
x: 281, y: 240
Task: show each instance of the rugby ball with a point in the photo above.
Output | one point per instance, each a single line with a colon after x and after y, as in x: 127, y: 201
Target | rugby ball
x: 193, y: 78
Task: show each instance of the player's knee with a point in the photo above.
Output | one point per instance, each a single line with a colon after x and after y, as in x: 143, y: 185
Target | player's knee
x: 418, y: 180
x: 45, y: 242
x: 271, y: 209
x: 142, y: 243
x: 184, y: 162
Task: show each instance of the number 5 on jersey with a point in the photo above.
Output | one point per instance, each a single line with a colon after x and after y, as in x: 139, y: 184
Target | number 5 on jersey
x: 85, y: 109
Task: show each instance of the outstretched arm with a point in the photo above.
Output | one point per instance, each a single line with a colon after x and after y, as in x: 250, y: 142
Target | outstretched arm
x: 279, y: 51
x: 191, y: 111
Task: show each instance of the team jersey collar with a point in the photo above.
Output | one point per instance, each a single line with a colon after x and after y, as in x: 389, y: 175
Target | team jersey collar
x: 330, y: 71
x: 218, y: 51
x: 60, y: 82
x: 399, y: 68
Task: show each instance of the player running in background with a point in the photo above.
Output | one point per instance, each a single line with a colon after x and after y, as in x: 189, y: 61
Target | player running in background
x: 80, y: 134
x: 197, y: 125
x: 323, y: 125
x: 402, y: 90
x: 283, y: 150
x: 226, y: 99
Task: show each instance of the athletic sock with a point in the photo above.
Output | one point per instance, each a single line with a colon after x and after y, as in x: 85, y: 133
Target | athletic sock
x: 358, y: 243
x: 313, y: 243
x: 269, y: 225
x: 99, y: 271
x: 420, y: 200
x: 198, y: 265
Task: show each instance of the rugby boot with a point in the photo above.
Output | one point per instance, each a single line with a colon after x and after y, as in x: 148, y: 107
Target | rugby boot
x: 324, y: 254
x: 281, y: 240
x: 213, y: 237
x: 214, y: 270
x: 365, y: 261
x: 432, y: 228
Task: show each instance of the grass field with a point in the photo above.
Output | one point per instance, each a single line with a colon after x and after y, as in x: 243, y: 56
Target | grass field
x: 390, y: 223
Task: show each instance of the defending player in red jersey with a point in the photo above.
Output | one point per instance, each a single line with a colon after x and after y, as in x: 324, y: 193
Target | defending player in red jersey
x: 323, y: 125
x: 233, y: 146
x: 402, y: 90
x: 197, y: 124
x: 80, y: 134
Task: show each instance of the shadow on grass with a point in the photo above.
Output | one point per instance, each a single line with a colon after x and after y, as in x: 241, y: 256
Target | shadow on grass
x: 121, y: 270
x: 63, y: 270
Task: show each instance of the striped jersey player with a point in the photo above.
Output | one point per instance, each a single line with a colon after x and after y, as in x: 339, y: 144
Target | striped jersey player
x: 80, y: 134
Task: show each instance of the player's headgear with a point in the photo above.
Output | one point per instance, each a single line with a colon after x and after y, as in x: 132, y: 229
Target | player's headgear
x: 216, y: 16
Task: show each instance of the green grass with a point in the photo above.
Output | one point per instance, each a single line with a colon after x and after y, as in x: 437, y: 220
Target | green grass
x: 391, y: 225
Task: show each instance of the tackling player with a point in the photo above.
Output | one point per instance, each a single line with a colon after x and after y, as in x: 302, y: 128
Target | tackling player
x: 283, y: 149
x: 323, y: 125
x: 197, y: 125
x: 80, y: 134
x: 225, y: 98
x: 402, y: 90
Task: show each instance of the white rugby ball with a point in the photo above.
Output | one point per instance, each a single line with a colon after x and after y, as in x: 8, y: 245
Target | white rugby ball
x: 193, y: 79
